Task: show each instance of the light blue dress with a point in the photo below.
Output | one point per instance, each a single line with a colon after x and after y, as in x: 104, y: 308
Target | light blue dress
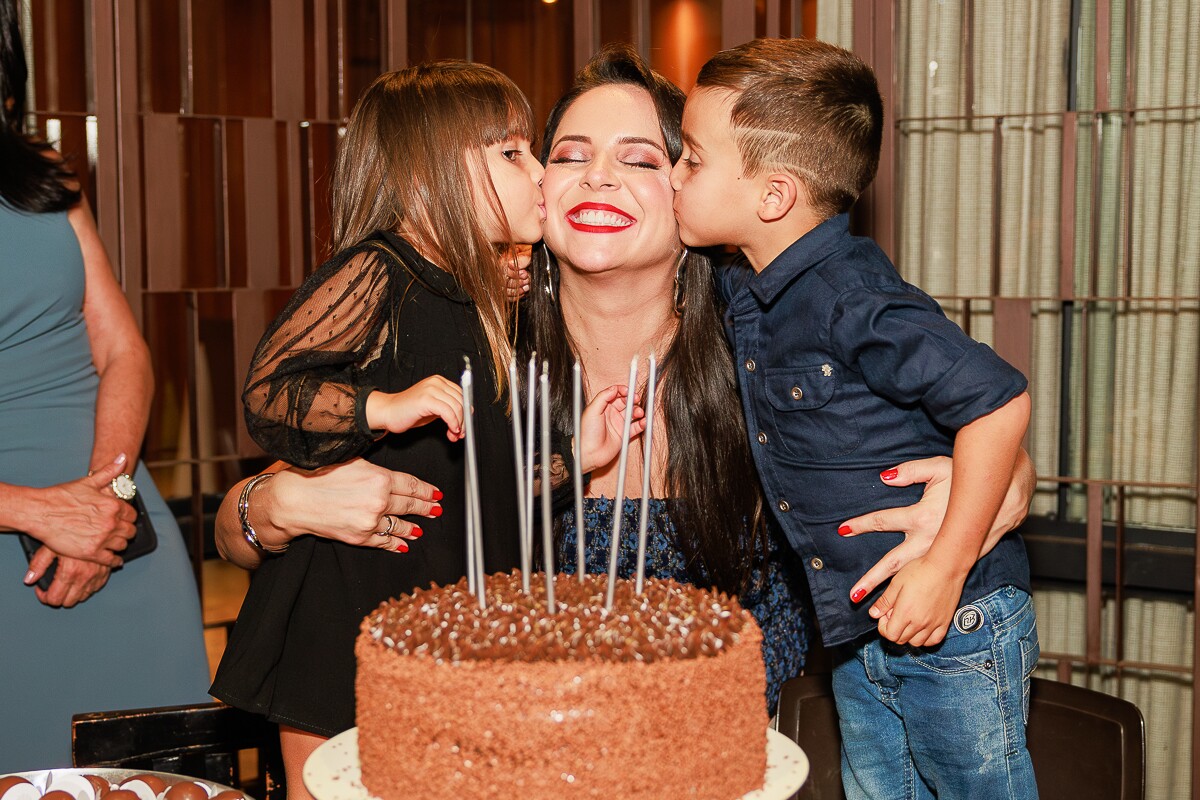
x: 139, y: 641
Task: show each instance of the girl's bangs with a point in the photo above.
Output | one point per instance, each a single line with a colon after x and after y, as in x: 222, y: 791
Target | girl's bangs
x: 508, y: 117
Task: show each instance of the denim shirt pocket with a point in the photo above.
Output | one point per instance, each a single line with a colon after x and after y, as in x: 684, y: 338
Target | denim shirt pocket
x: 810, y: 422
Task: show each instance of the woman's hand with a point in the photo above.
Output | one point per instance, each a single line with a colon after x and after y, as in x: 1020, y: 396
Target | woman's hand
x: 351, y: 502
x: 420, y: 404
x: 74, y: 580
x: 602, y: 426
x: 81, y: 519
x: 920, y: 522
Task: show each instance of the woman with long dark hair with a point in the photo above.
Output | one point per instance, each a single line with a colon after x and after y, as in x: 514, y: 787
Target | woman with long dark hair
x: 73, y: 408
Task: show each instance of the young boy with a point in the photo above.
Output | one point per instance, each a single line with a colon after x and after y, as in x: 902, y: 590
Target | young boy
x: 845, y: 369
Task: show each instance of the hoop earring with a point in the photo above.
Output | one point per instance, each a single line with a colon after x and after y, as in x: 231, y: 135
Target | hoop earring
x: 680, y: 299
x: 550, y: 278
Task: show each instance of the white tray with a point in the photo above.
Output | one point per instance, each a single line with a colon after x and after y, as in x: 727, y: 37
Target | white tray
x: 332, y: 771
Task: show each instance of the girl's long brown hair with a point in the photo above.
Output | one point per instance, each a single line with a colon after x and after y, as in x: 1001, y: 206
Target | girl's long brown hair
x: 406, y: 163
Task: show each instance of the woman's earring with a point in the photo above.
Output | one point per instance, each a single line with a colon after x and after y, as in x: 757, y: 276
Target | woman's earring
x: 549, y: 287
x: 550, y: 274
x: 680, y: 299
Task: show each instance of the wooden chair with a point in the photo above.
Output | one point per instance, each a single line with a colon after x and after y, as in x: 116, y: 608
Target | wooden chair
x: 200, y: 741
x: 1083, y: 743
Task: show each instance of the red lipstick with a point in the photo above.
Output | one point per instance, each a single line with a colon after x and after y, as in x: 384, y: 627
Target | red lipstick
x: 598, y: 218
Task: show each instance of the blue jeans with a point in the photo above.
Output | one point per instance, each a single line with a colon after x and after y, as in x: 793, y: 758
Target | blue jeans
x: 946, y: 721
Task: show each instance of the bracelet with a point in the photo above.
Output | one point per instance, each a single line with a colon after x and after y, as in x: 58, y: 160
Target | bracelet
x: 244, y: 516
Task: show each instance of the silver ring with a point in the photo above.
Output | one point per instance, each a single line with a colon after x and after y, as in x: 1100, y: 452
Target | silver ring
x: 391, y: 523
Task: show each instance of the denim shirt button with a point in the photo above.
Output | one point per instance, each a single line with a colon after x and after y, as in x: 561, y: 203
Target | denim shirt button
x: 783, y: 506
x: 797, y: 393
x: 762, y: 438
x: 817, y: 563
x: 750, y: 365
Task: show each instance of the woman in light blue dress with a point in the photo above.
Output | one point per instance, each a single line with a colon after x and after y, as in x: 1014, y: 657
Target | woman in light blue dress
x: 75, y: 387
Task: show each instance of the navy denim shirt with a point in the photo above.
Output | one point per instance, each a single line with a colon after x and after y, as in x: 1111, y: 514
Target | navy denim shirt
x: 845, y: 370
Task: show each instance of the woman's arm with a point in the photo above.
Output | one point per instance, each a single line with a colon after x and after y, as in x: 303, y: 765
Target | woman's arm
x: 121, y: 356
x: 920, y: 522
x: 78, y: 518
x: 347, y: 502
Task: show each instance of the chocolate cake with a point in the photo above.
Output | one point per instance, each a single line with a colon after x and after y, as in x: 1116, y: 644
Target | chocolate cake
x: 662, y: 697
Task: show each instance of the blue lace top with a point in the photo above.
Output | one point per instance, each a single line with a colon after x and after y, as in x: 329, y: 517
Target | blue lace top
x: 779, y: 602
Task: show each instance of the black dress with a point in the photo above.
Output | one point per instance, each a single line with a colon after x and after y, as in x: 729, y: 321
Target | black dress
x: 375, y: 316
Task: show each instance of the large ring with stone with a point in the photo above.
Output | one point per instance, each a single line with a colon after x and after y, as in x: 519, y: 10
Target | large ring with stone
x: 391, y: 523
x: 124, y: 487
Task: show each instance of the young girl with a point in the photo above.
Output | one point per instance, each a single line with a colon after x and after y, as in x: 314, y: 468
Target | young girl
x: 433, y: 182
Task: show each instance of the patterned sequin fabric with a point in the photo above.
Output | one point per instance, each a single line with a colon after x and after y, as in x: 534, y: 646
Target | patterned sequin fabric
x: 778, y: 601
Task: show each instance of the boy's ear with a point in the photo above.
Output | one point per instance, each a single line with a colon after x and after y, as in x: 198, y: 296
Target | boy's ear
x: 780, y: 192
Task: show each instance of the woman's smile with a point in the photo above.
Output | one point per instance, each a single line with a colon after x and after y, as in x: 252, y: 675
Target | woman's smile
x: 598, y: 218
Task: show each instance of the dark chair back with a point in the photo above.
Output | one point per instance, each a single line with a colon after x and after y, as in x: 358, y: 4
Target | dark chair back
x: 200, y: 741
x: 1083, y: 743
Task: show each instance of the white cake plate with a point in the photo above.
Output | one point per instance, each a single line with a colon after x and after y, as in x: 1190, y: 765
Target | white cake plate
x: 332, y: 772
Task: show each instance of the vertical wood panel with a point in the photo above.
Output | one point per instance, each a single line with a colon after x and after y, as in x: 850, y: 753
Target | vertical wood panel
x: 737, y: 23
x: 1095, y: 553
x: 287, y: 60
x: 1014, y: 331
x: 104, y: 72
x: 397, y: 34
x: 586, y: 29
x: 164, y: 262
x: 875, y: 212
x: 262, y: 210
x: 1066, y: 216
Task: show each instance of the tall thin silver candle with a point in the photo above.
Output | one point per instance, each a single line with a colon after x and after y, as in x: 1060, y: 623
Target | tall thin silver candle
x: 469, y: 516
x: 647, y: 464
x: 514, y: 405
x: 474, y: 513
x: 530, y: 427
x: 547, y: 532
x: 619, y: 498
x: 576, y: 416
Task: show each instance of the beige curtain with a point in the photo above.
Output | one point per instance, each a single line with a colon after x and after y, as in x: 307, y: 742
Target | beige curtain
x: 1134, y: 370
x: 835, y: 22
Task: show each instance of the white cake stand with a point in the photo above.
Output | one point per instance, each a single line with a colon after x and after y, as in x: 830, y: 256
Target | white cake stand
x: 332, y: 772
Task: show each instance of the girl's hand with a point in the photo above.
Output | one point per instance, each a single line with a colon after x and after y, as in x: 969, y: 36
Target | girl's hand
x: 516, y: 274
x: 348, y: 502
x: 81, y: 519
x: 602, y: 426
x: 74, y: 580
x: 422, y: 403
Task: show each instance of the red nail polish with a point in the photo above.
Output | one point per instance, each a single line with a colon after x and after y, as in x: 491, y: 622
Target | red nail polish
x: 889, y: 474
x: 436, y: 511
x: 401, y: 547
x: 437, y: 494
x: 416, y: 532
x: 842, y: 531
x: 858, y: 594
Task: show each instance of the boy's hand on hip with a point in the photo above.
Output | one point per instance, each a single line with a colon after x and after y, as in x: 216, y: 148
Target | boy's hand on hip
x: 918, y: 605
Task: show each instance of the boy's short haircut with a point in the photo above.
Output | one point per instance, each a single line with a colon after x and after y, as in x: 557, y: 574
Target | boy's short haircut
x: 807, y: 107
